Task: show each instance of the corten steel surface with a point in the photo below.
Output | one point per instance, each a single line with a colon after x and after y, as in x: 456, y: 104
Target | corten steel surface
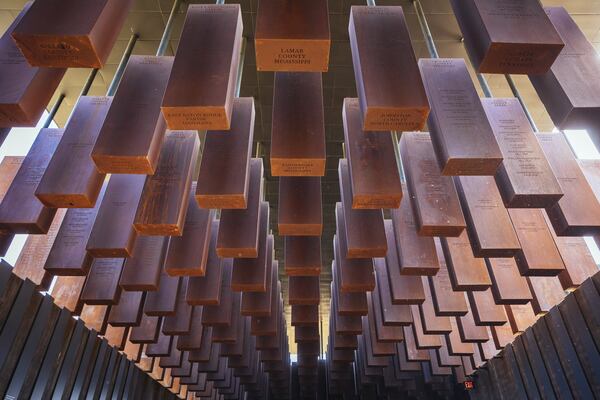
x: 446, y: 301
x: 21, y: 211
x: 466, y: 271
x: 577, y: 213
x: 432, y: 323
x: 238, y: 229
x: 373, y: 168
x: 187, y: 254
x: 302, y: 255
x: 128, y: 311
x: 391, y: 93
x: 300, y: 211
x: 258, y: 304
x: 206, y: 290
x: 25, y: 91
x: 163, y: 204
x: 485, y: 310
x: 462, y: 137
x: 298, y: 125
x: 349, y: 303
x: 8, y: 170
x: 508, y: 286
x: 393, y: 314
x: 225, y: 165
x: 68, y: 255
x: 102, y: 283
x: 546, y: 291
x: 433, y: 197
x: 525, y: 178
x: 113, y: 234
x: 514, y: 37
x: 200, y: 92
x: 66, y: 34
x: 162, y: 301
x: 292, y: 36
x: 303, y: 290
x: 489, y: 227
x: 416, y: 254
x: 539, y: 254
x: 570, y: 90
x: 405, y: 289
x: 364, y: 231
x: 133, y: 131
x: 71, y: 179
x: 141, y: 271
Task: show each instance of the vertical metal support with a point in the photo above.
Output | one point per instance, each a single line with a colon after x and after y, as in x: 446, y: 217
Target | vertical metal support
x: 88, y: 83
x: 122, y: 64
x: 164, y: 41
x: 54, y: 110
x: 396, y: 141
x: 517, y: 94
x: 433, y: 53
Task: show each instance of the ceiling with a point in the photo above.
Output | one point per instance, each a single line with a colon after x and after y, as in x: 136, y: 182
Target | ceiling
x: 148, y: 19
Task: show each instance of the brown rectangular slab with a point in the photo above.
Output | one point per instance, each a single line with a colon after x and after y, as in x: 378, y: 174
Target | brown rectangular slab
x: 356, y: 274
x: 8, y: 170
x: 570, y: 91
x: 220, y: 313
x: 206, y: 290
x: 374, y: 345
x: 299, y: 209
x: 228, y: 333
x: 466, y: 271
x: 302, y: 255
x: 203, y: 354
x: 128, y: 312
x: 193, y: 339
x: 141, y: 271
x: 508, y: 286
x: 383, y: 333
x: 453, y: 343
x: 250, y: 274
x: 525, y: 178
x: 365, y: 234
x: 269, y: 325
x: 113, y: 234
x: 71, y: 179
x: 577, y: 213
x: 502, y: 335
x: 416, y: 253
x: 349, y: 303
x: 187, y: 254
x: 469, y: 331
x: 547, y: 292
x: 303, y: 290
x: 68, y: 255
x: 412, y: 352
x: 95, y: 317
x: 461, y: 135
x: 116, y: 336
x: 160, y: 348
x: 298, y: 129
x: 163, y: 204
x: 20, y: 210
x: 432, y: 323
x: 577, y: 257
x: 147, y: 331
x: 489, y: 227
x: 200, y: 93
x: 446, y: 301
x: 25, y: 91
x: 433, y: 197
x: 391, y: 93
x: 508, y: 38
x: 225, y: 165
x: 292, y: 36
x: 133, y: 131
x: 66, y: 291
x: 373, y: 168
x: 538, y: 255
x: 259, y: 304
x: 33, y: 255
x: 405, y: 289
x: 102, y: 283
x: 181, y: 322
x: 422, y: 340
x: 392, y: 314
x: 520, y: 316
x: 305, y: 315
x: 162, y: 301
x: 81, y: 37
x: 238, y: 229
x: 485, y: 310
